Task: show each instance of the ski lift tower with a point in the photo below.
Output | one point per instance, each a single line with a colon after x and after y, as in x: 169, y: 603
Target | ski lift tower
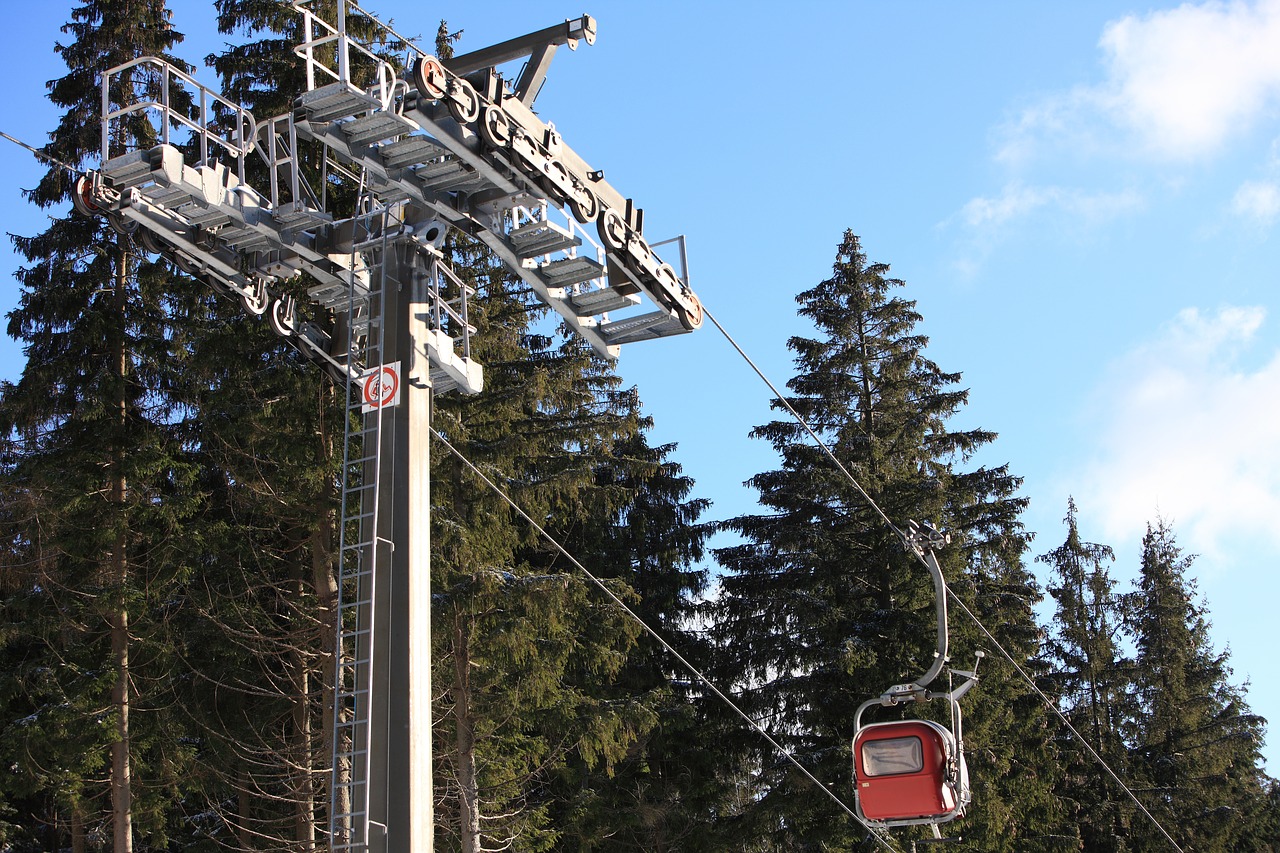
x: 448, y: 144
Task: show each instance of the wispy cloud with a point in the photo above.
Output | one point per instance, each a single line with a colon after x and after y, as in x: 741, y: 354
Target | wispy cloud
x: 989, y: 219
x: 1184, y: 429
x: 1017, y: 201
x: 1258, y: 202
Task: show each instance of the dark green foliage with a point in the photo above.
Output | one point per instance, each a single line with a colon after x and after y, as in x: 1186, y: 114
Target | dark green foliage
x: 530, y: 650
x: 667, y: 792
x: 1139, y: 680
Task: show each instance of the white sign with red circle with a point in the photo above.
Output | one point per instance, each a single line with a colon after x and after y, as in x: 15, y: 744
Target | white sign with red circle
x: 380, y: 387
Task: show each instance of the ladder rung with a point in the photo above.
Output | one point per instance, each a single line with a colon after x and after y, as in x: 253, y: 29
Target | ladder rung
x: 352, y: 694
x: 352, y: 754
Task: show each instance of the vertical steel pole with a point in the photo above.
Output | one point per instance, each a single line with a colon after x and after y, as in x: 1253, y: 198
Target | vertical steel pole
x: 344, y: 68
x: 401, y: 781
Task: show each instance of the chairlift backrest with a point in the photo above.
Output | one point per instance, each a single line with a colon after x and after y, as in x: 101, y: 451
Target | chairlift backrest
x: 908, y: 772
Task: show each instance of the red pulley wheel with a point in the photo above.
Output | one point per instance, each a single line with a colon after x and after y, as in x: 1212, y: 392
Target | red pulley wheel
x: 82, y: 197
x: 430, y: 77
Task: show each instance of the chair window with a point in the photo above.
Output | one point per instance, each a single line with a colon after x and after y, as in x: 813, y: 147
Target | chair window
x: 892, y: 756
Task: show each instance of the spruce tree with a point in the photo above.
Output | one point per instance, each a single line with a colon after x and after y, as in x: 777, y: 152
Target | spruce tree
x: 100, y: 474
x: 1197, y: 744
x: 1090, y: 680
x: 822, y: 608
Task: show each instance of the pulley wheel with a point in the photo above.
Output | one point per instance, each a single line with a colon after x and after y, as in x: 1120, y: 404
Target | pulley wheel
x: 667, y: 275
x: 120, y: 225
x: 691, y: 320
x: 255, y: 300
x: 612, y: 230
x: 464, y: 101
x: 150, y: 242
x: 496, y: 126
x: 430, y: 78
x: 585, y: 205
x: 185, y: 264
x: 282, y: 316
x: 557, y: 178
x: 82, y: 197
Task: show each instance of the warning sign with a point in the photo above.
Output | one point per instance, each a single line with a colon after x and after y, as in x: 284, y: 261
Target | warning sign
x: 380, y: 387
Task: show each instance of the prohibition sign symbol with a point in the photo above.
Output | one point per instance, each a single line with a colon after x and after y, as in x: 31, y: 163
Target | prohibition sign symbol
x: 380, y: 387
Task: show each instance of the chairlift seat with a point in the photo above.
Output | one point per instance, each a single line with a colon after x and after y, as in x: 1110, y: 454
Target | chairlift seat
x: 908, y: 772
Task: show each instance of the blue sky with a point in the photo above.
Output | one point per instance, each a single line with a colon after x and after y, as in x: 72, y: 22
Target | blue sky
x: 1083, y: 198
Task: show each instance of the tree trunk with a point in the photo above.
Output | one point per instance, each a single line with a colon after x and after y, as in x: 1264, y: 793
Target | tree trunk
x: 77, y: 829
x: 118, y: 619
x: 121, y: 791
x: 465, y: 736
x: 304, y: 764
x: 324, y: 578
x: 244, y: 809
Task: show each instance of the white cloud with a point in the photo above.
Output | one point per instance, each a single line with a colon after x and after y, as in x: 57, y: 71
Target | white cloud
x: 1179, y: 83
x: 1258, y: 201
x: 1184, y: 431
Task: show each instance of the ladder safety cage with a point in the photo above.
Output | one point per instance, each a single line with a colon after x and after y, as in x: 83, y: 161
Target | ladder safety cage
x: 913, y: 772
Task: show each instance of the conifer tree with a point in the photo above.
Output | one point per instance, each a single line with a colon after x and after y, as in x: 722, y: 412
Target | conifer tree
x: 822, y: 608
x: 100, y: 473
x: 1090, y: 680
x: 1197, y: 744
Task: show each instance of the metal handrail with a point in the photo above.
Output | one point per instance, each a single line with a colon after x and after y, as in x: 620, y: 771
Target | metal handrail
x: 384, y: 90
x: 202, y: 126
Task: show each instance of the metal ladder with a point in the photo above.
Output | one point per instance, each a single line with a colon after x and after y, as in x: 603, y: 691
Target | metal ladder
x: 362, y: 468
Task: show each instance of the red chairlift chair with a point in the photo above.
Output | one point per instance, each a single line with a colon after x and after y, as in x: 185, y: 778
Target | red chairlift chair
x: 909, y: 772
x: 912, y: 772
